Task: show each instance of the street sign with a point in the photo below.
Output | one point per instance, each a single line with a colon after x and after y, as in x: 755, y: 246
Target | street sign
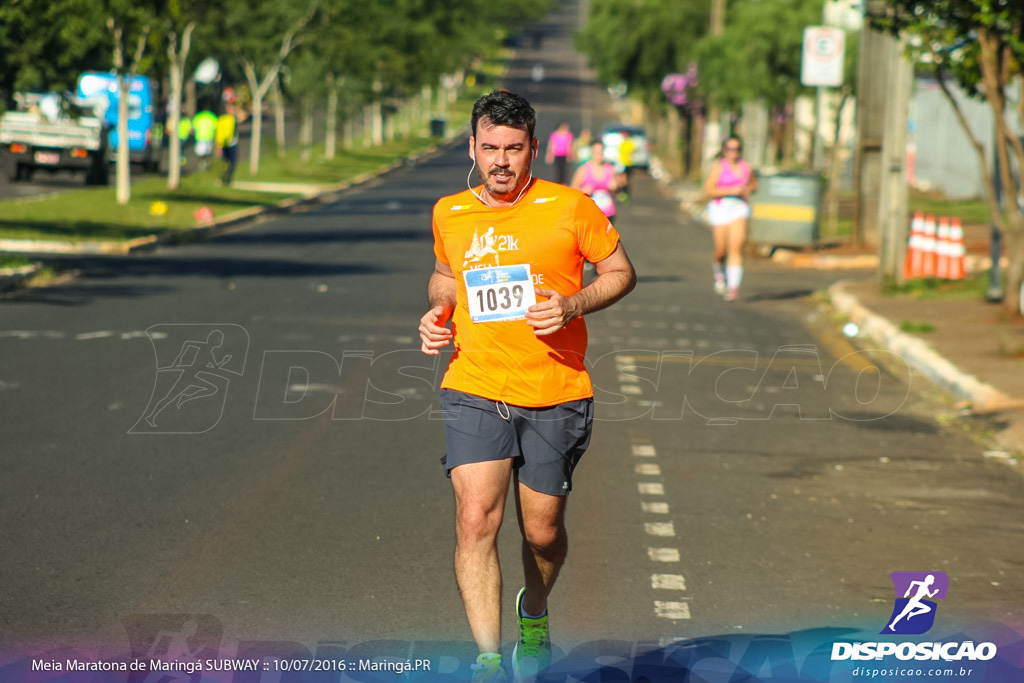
x: 822, y: 64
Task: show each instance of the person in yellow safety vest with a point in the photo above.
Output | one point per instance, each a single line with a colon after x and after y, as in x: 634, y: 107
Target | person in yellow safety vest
x: 626, y: 148
x: 205, y: 126
x: 184, y: 129
x: 227, y: 141
x: 184, y: 134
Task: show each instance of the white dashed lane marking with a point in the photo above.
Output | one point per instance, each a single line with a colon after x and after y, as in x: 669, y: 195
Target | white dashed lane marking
x: 646, y: 469
x: 663, y: 554
x: 643, y: 450
x: 672, y: 610
x: 670, y: 582
x: 651, y: 489
x: 660, y: 528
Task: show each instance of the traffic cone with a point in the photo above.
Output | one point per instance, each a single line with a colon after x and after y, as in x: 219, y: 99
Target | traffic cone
x: 928, y: 241
x: 957, y: 252
x: 942, y: 249
x: 915, y: 256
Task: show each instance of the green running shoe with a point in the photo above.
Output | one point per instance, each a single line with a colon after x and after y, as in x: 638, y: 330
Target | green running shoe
x: 488, y: 669
x: 532, y: 654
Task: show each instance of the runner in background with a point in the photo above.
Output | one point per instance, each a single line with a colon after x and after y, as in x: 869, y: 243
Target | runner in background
x: 626, y: 148
x: 600, y: 180
x: 728, y: 185
x: 560, y: 146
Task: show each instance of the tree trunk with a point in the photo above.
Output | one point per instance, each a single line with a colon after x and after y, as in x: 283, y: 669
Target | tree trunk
x: 123, y: 166
x: 173, y: 125
x: 377, y: 123
x: 178, y: 59
x: 306, y: 130
x: 331, y: 137
x: 256, y: 133
x: 279, y: 115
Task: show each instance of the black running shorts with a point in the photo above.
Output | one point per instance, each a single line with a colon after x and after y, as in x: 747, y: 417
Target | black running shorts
x: 545, y: 444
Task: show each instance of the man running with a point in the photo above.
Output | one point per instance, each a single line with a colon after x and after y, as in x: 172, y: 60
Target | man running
x: 517, y: 399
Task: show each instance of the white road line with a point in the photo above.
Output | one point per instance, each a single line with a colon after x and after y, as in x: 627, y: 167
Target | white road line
x: 654, y: 508
x: 630, y: 389
x: 671, y: 582
x: 651, y: 489
x: 660, y: 528
x: 648, y: 470
x: 95, y: 335
x: 644, y: 450
x: 663, y: 554
x: 672, y: 610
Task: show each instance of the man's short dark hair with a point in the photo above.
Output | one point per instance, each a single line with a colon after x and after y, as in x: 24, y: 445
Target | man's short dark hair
x: 504, y: 108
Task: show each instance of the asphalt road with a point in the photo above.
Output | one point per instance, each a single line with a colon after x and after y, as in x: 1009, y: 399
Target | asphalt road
x: 752, y: 482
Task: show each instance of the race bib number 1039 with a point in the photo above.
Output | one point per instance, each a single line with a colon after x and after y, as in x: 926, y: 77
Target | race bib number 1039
x: 499, y: 293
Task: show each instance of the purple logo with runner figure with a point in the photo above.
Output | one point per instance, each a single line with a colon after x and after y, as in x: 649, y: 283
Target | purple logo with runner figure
x: 916, y: 592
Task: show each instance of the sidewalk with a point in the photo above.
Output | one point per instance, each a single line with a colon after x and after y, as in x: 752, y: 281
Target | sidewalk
x: 972, y: 351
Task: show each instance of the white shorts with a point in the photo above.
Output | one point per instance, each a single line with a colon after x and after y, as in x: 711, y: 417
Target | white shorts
x: 726, y: 210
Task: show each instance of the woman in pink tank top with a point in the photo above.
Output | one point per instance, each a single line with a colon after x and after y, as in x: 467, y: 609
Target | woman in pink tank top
x: 728, y: 185
x: 599, y: 179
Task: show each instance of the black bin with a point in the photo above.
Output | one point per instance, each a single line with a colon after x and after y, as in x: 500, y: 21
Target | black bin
x: 437, y: 128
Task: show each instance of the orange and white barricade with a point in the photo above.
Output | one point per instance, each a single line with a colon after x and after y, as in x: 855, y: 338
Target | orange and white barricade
x: 957, y: 252
x: 942, y: 249
x: 935, y: 249
x: 928, y: 243
x: 915, y: 253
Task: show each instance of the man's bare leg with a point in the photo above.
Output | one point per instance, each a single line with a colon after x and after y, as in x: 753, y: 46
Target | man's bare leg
x: 480, y: 492
x: 545, y: 544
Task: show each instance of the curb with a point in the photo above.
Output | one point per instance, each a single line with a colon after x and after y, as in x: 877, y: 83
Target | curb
x: 917, y: 354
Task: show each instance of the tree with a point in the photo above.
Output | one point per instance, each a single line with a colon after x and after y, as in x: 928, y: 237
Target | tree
x: 758, y: 57
x: 639, y: 43
x: 130, y: 23
x: 261, y: 36
x: 182, y: 18
x: 46, y: 44
x: 979, y: 45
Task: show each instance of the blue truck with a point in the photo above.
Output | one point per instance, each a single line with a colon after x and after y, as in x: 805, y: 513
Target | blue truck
x: 145, y: 127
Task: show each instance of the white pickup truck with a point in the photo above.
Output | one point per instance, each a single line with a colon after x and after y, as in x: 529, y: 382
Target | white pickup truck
x: 49, y: 137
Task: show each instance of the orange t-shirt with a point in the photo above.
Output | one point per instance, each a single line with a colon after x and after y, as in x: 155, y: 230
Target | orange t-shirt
x: 554, y: 229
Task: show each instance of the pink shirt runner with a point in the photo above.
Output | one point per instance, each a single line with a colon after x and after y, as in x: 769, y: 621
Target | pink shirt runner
x: 561, y: 143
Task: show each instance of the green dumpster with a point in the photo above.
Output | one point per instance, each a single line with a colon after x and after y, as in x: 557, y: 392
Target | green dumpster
x: 785, y: 208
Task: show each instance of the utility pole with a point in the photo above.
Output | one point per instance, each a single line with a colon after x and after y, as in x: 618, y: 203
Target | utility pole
x: 892, y: 208
x: 885, y: 82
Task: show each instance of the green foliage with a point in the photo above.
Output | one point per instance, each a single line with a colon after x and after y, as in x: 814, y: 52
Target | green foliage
x: 759, y: 54
x: 974, y: 286
x: 46, y: 44
x: 639, y: 42
x: 399, y: 44
x: 946, y: 34
x: 916, y: 327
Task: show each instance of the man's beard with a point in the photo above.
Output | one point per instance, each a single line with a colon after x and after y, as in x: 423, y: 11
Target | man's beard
x: 507, y: 190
